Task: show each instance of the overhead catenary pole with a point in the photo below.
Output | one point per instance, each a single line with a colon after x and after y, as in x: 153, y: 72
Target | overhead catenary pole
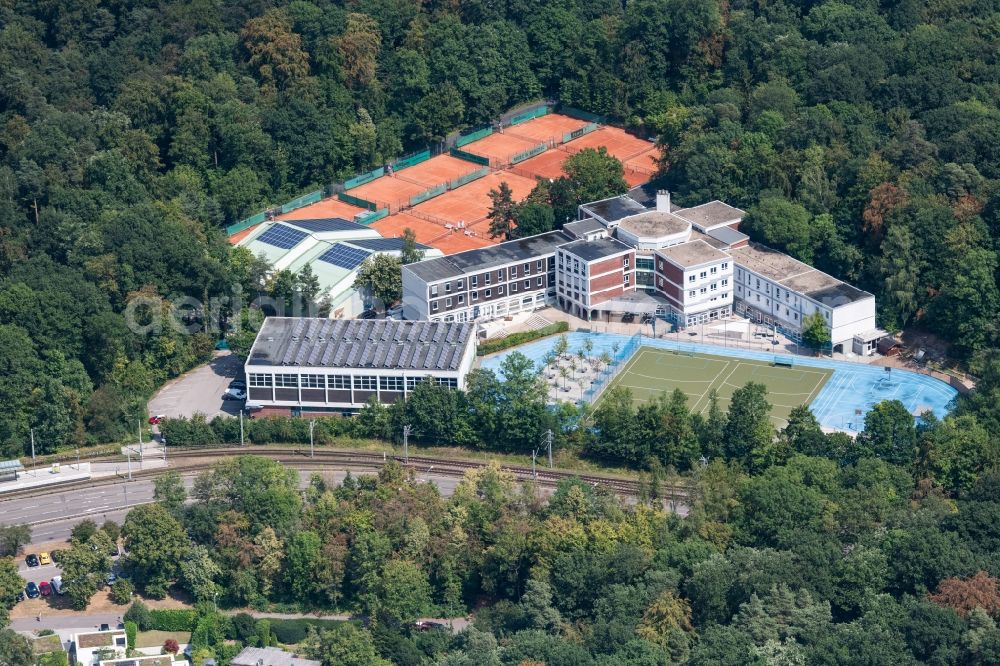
x: 241, y: 429
x: 407, y: 429
x: 128, y: 454
x: 312, y: 450
x: 548, y: 444
x: 32, y: 450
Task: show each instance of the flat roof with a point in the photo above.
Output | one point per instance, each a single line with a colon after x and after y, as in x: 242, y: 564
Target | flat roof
x: 360, y: 343
x: 693, y: 253
x: 270, y: 656
x: 714, y: 242
x: 644, y: 195
x: 797, y: 276
x: 584, y: 227
x: 654, y: 223
x: 728, y: 235
x: 475, y: 261
x: 711, y: 214
x: 615, y: 208
x: 592, y: 250
x: 639, y: 300
x: 772, y: 264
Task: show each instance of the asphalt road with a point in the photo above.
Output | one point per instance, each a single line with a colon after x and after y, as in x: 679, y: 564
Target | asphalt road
x: 53, y: 516
x: 200, y: 391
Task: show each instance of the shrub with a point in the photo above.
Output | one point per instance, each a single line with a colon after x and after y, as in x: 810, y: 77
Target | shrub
x: 520, y: 338
x: 173, y: 620
x: 130, y: 631
x: 291, y: 632
x: 139, y: 613
x: 121, y: 591
x: 170, y: 646
x: 243, y: 627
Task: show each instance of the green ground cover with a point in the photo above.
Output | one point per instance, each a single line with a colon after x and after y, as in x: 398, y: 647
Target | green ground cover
x: 653, y: 371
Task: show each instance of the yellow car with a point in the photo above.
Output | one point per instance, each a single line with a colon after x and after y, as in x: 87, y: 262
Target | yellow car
x: 43, y: 559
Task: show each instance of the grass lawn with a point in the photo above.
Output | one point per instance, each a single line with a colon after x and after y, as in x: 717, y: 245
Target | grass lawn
x: 145, y: 639
x: 654, y: 371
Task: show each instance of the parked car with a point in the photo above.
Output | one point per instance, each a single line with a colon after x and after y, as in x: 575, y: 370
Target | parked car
x: 45, y: 589
x: 647, y: 318
x: 44, y: 559
x: 31, y: 590
x: 57, y: 584
x: 426, y: 625
x: 112, y: 577
x: 238, y: 384
x: 628, y: 318
x: 31, y: 560
x: 155, y: 420
x: 105, y: 626
x: 234, y: 394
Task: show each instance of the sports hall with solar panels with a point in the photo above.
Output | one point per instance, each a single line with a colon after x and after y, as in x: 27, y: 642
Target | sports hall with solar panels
x: 334, y: 249
x: 303, y: 366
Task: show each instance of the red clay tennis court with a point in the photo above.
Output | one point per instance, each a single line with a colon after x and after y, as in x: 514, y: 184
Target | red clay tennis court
x: 388, y: 192
x: 471, y: 202
x: 644, y: 162
x: 435, y: 234
x: 499, y: 148
x: 549, y: 128
x: 619, y: 143
x: 547, y: 165
x: 331, y: 207
x: 437, y: 170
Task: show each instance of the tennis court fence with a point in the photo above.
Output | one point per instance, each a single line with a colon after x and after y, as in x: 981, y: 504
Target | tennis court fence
x: 608, y: 374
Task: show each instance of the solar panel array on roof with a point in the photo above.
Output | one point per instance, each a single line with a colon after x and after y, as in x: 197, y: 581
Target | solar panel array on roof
x: 385, y: 244
x: 344, y: 256
x: 283, y: 237
x: 361, y: 343
x: 327, y: 224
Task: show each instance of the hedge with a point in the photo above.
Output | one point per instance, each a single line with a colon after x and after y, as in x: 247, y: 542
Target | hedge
x: 290, y: 632
x: 130, y: 631
x: 173, y: 620
x: 515, y: 339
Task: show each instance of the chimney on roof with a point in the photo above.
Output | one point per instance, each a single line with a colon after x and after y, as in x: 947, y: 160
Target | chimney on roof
x: 663, y: 201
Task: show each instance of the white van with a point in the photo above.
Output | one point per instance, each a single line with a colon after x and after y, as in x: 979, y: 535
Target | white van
x: 57, y: 584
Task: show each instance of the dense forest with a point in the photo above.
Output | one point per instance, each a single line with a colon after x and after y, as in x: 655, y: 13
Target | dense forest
x: 859, y: 135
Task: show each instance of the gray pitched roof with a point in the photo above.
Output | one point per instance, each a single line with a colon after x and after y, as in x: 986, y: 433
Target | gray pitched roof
x: 360, y: 343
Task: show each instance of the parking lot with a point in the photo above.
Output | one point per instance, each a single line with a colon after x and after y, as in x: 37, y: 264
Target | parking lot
x: 200, y: 390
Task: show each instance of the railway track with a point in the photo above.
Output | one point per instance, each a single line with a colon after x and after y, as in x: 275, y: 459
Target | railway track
x: 192, y: 460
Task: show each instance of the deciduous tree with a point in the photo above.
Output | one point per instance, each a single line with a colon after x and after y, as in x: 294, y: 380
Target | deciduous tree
x: 381, y: 276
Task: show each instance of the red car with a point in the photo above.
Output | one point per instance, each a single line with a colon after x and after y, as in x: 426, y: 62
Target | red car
x: 155, y: 420
x: 45, y: 588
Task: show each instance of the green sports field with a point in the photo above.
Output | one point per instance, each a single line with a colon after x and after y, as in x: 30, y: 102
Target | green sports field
x: 652, y: 371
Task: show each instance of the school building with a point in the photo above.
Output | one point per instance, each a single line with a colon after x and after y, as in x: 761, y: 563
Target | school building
x: 640, y: 253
